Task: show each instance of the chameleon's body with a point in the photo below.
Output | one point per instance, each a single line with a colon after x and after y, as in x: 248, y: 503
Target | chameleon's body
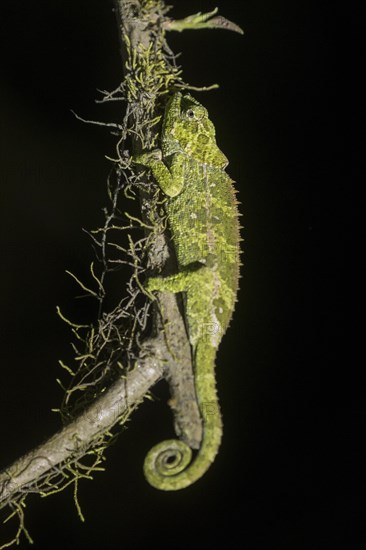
x: 203, y: 219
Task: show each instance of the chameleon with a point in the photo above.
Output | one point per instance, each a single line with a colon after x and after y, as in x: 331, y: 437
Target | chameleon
x: 202, y: 214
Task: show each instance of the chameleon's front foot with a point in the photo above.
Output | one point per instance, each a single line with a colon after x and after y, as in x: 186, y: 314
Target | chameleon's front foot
x: 147, y: 159
x: 153, y: 160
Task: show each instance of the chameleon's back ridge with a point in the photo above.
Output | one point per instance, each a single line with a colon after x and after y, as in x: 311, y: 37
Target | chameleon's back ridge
x: 203, y: 218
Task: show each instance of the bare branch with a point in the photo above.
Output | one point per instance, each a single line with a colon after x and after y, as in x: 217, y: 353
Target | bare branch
x: 202, y: 21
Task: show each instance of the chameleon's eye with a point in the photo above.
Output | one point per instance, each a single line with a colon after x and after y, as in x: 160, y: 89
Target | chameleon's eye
x: 190, y: 114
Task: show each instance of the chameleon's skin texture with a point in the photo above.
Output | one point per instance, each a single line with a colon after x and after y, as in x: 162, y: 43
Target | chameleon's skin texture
x: 203, y: 219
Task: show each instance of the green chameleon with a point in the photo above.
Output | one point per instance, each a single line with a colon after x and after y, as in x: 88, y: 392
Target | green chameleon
x: 203, y: 220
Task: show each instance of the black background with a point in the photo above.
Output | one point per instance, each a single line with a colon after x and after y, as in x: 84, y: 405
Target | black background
x: 273, y: 120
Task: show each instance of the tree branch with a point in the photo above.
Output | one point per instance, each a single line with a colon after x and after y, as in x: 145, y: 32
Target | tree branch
x: 150, y: 74
x: 169, y: 348
x: 71, y: 441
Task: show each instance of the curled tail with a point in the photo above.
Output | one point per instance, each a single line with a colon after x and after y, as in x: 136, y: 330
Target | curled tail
x: 168, y: 465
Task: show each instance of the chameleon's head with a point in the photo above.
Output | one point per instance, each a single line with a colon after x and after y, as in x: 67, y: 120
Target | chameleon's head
x: 187, y: 126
